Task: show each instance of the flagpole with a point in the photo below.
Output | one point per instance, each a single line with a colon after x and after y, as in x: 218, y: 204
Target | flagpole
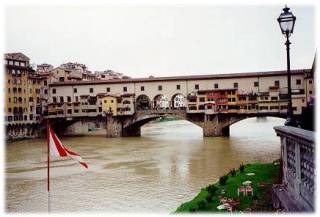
x: 48, y: 164
x: 48, y: 156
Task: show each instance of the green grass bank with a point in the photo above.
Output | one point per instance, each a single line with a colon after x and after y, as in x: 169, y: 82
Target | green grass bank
x: 209, y: 197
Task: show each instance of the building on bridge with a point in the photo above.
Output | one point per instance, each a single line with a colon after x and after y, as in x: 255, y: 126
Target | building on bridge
x: 69, y: 93
x: 199, y: 98
x: 117, y: 105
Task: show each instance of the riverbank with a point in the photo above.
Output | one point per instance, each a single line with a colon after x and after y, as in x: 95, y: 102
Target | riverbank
x: 17, y: 139
x: 261, y: 176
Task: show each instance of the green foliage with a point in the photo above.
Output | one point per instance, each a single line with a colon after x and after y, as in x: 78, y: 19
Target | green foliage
x: 266, y: 173
x: 209, y: 198
x: 202, y: 204
x: 241, y: 168
x: 192, y: 209
x: 212, y: 189
x: 233, y: 172
x: 223, y: 179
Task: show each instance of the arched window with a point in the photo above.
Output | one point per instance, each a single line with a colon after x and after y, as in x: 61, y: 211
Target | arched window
x: 143, y: 102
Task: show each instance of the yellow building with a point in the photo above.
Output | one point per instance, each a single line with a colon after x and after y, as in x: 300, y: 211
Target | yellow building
x: 22, y: 91
x: 17, y: 70
x: 110, y: 105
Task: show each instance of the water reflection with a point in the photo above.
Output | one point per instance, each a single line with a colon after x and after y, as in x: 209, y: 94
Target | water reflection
x: 166, y: 166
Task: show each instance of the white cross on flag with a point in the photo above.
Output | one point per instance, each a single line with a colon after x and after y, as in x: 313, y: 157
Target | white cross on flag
x: 58, y: 150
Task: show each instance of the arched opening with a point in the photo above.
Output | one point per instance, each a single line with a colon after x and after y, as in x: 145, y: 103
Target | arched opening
x: 143, y: 102
x: 255, y: 138
x: 160, y: 101
x: 256, y: 127
x: 178, y: 102
x: 170, y: 127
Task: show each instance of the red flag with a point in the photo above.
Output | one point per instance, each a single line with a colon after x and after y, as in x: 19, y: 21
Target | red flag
x: 58, y: 150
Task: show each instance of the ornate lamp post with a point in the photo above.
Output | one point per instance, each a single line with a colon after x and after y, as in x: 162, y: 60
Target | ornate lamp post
x: 286, y: 21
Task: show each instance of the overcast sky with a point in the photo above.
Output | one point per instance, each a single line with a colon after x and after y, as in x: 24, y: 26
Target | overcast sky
x: 161, y: 40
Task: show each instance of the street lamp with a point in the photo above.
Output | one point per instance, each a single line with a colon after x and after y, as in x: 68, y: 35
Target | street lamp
x: 286, y: 21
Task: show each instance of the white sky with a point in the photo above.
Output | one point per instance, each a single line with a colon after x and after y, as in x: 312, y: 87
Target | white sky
x: 161, y: 40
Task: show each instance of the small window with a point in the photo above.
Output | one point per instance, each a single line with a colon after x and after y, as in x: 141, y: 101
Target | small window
x: 310, y: 81
x: 256, y: 83
x: 69, y: 98
x: 75, y: 90
x: 178, y: 86
x: 196, y: 86
x: 142, y: 88
x: 310, y: 91
x: 216, y: 85
x: 298, y: 81
x: 112, y: 101
x: 235, y: 85
x: 125, y: 89
x: 160, y: 87
x: 61, y: 99
x: 108, y: 89
x: 54, y: 91
x: 277, y: 83
x: 61, y: 79
x: 105, y: 101
x: 54, y: 99
x: 91, y: 90
x: 45, y: 83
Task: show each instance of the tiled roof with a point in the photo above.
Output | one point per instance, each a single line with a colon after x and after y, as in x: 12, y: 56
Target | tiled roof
x: 16, y: 56
x: 189, y: 77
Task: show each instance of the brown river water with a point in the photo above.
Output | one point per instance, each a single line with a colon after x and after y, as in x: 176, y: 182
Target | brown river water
x: 166, y: 166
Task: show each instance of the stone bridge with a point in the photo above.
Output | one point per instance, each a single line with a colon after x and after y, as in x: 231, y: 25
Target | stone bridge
x: 213, y: 125
x: 123, y: 126
x: 213, y: 102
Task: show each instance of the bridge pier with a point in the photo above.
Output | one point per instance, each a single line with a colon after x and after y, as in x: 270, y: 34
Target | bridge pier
x: 215, y: 125
x: 115, y: 128
x: 133, y: 131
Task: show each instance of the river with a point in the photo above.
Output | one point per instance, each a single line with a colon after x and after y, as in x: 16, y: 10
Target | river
x: 156, y: 172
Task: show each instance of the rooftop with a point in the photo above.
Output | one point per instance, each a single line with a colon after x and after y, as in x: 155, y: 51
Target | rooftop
x: 16, y: 56
x: 189, y: 77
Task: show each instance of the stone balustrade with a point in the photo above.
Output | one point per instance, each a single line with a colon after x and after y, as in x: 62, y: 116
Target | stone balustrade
x: 298, y: 157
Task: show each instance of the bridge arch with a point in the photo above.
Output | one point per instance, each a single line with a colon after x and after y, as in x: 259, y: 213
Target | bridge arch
x: 178, y: 101
x: 160, y: 101
x: 143, y: 102
x: 219, y: 124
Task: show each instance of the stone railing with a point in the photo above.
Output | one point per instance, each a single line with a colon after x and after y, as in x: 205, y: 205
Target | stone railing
x: 178, y: 112
x: 298, y: 155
